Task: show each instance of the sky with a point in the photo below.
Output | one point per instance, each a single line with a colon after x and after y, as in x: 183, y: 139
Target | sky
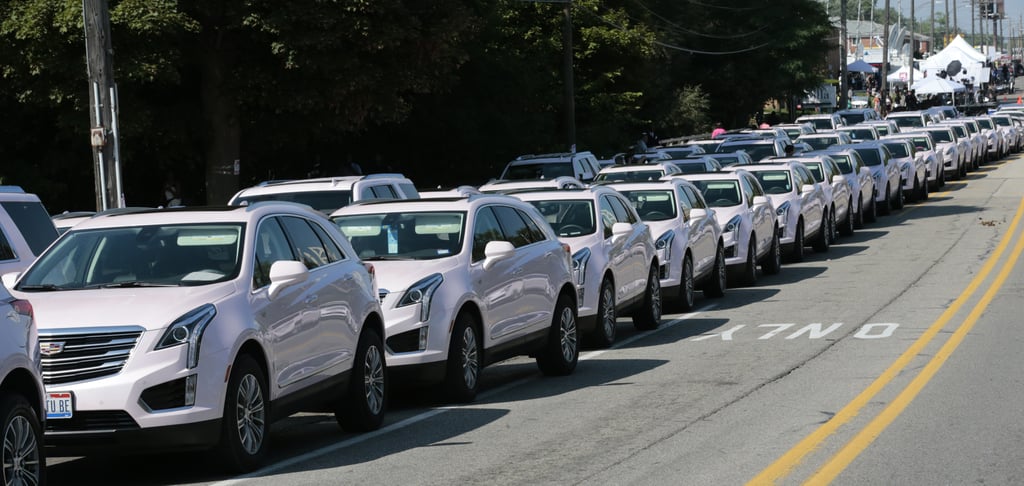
x: 1014, y: 11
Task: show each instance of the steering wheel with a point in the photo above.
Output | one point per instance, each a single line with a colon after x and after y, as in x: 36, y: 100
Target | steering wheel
x: 656, y: 215
x: 723, y: 202
x: 570, y: 228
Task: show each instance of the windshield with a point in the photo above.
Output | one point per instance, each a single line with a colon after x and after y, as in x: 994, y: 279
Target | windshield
x: 960, y: 131
x: 630, y: 176
x: 819, y: 123
x: 908, y: 121
x: 852, y: 118
x: 899, y: 150
x: 861, y: 134
x: 569, y: 218
x: 986, y: 124
x: 729, y: 159
x: 883, y: 130
x: 653, y: 205
x: 529, y: 171
x: 756, y: 151
x: 923, y: 143
x: 1002, y: 121
x: 843, y: 161
x: 793, y: 132
x: 971, y: 127
x: 720, y: 193
x: 324, y: 201
x: 404, y: 236
x: 870, y: 156
x: 820, y: 143
x: 774, y: 181
x: 141, y: 256
x: 693, y: 167
x: 942, y: 135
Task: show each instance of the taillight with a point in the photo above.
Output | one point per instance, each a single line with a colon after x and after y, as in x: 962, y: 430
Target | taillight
x: 22, y: 307
x: 565, y: 247
x: 369, y: 269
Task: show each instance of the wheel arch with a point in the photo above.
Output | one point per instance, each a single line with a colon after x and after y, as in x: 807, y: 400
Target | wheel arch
x: 23, y: 383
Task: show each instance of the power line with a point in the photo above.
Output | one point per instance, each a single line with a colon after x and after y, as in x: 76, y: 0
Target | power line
x: 684, y: 49
x: 693, y: 32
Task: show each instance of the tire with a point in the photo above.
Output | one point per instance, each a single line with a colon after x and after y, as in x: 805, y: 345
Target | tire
x: 244, y: 438
x: 749, y: 276
x: 847, y: 228
x: 604, y: 333
x: 686, y: 287
x: 362, y: 409
x: 900, y: 201
x: 23, y: 459
x: 942, y: 176
x: 560, y: 354
x: 824, y: 239
x: 796, y: 253
x: 915, y: 192
x: 872, y: 215
x: 859, y: 222
x: 718, y: 280
x: 649, y: 315
x: 462, y: 372
x: 772, y: 263
x: 923, y: 195
x: 963, y: 171
x: 887, y: 204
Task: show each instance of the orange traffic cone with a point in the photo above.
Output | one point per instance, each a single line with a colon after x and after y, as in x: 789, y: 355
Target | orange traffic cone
x: 1020, y: 100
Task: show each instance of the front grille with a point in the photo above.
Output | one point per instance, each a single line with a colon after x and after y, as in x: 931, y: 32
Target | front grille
x: 93, y: 421
x: 71, y: 357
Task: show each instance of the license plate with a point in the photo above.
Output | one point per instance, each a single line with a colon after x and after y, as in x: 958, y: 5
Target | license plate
x: 59, y: 405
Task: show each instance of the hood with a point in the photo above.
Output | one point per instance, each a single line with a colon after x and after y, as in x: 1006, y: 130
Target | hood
x: 151, y: 308
x: 723, y: 215
x: 396, y: 276
x: 580, y: 242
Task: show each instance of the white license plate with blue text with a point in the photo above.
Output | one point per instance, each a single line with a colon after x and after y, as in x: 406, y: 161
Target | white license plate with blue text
x: 59, y: 405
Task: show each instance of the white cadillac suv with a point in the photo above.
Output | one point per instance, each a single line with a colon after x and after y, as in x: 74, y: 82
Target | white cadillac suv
x: 196, y: 328
x: 613, y: 256
x: 466, y: 282
x: 21, y: 394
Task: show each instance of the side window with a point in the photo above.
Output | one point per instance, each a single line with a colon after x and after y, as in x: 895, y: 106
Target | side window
x: 305, y: 242
x: 384, y: 192
x: 33, y: 223
x: 409, y: 190
x: 271, y: 246
x: 607, y: 216
x: 536, y: 234
x: 627, y: 208
x: 621, y: 215
x: 334, y: 252
x: 6, y: 252
x: 513, y: 226
x: 579, y: 170
x: 366, y: 193
x: 684, y: 202
x: 486, y: 229
x: 696, y: 198
x: 754, y: 188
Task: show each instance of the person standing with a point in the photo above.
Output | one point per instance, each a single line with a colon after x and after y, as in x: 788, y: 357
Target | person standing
x: 718, y: 131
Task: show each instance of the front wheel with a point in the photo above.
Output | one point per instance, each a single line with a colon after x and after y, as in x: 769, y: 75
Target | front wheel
x: 23, y: 461
x: 796, y: 253
x: 899, y: 197
x: 604, y: 334
x: 561, y: 351
x: 773, y: 260
x: 686, y: 287
x: 244, y: 441
x: 848, y: 223
x: 462, y: 376
x: 887, y: 203
x: 872, y: 213
x: 649, y: 315
x: 718, y: 280
x: 824, y: 239
x: 363, y: 407
x: 749, y: 276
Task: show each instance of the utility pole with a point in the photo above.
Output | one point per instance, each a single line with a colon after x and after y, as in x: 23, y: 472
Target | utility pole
x: 843, y: 82
x: 103, y: 134
x: 913, y: 44
x: 974, y: 39
x: 931, y: 43
x: 956, y: 25
x: 567, y: 72
x: 945, y: 32
x: 884, y: 81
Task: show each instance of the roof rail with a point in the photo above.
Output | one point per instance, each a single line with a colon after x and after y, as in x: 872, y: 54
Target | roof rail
x: 383, y: 175
x: 12, y: 189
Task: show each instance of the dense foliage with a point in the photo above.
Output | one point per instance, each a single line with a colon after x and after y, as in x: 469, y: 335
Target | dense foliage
x: 445, y: 91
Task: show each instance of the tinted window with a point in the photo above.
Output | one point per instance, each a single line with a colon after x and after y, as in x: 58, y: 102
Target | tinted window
x: 852, y: 118
x: 923, y: 143
x: 324, y: 201
x: 870, y: 156
x: 305, y: 242
x: 653, y: 205
x: 720, y: 193
x: 908, y: 121
x: 33, y: 223
x: 535, y: 232
x: 271, y: 246
x: 607, y: 216
x: 622, y: 215
x: 986, y: 124
x: 941, y: 135
x: 6, y: 252
x: 773, y: 181
x: 820, y: 143
x: 384, y: 192
x: 843, y: 161
x: 568, y: 218
x: 754, y: 150
x: 1002, y: 121
x: 815, y: 170
x: 631, y: 176
x: 412, y: 236
x: 487, y: 230
x: 695, y: 198
x: 513, y: 226
x: 899, y: 150
x: 334, y: 253
x: 531, y: 171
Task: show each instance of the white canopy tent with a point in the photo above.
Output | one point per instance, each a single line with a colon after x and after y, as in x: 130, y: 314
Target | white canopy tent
x: 860, y: 66
x: 937, y: 85
x: 971, y: 61
x: 902, y: 75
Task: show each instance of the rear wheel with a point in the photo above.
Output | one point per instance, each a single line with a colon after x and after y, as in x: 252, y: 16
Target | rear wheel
x: 244, y: 440
x: 717, y: 281
x: 604, y: 334
x: 362, y: 408
x: 561, y: 352
x: 649, y: 315
x: 462, y: 373
x: 772, y: 263
x: 22, y: 442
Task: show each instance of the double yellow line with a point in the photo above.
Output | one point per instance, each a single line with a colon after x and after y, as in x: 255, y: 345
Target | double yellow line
x: 837, y: 463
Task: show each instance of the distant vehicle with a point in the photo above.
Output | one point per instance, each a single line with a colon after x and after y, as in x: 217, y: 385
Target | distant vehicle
x: 796, y: 129
x: 858, y: 115
x: 580, y: 165
x: 25, y: 229
x: 823, y: 121
x: 861, y: 181
x: 505, y: 187
x: 913, y: 169
x: 698, y: 164
x: 887, y: 177
x: 860, y: 133
x: 637, y: 172
x: 757, y: 149
x: 822, y: 141
x: 924, y: 149
x: 327, y: 194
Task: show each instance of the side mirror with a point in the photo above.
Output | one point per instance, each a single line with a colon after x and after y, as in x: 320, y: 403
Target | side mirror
x: 760, y: 200
x: 285, y: 273
x: 807, y: 188
x: 698, y: 213
x: 838, y: 179
x: 496, y: 251
x: 621, y: 229
x: 10, y: 279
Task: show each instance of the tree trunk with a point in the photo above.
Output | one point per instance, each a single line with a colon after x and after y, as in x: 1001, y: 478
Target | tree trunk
x: 220, y: 113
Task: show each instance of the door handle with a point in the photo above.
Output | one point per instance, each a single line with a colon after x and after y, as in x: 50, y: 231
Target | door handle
x: 311, y: 299
x: 517, y: 271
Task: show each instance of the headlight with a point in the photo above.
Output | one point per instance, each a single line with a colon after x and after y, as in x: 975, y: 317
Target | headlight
x: 783, y: 211
x: 664, y: 245
x: 421, y: 293
x: 579, y: 265
x: 188, y: 329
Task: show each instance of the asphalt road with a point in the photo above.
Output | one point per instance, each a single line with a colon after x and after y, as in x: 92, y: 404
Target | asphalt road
x: 892, y: 359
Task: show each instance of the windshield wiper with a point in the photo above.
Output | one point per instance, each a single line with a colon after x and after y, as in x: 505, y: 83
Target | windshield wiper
x: 384, y: 258
x: 44, y: 287
x: 132, y: 284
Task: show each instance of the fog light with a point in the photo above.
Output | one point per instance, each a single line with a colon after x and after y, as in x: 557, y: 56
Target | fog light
x: 190, y: 390
x: 423, y: 338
